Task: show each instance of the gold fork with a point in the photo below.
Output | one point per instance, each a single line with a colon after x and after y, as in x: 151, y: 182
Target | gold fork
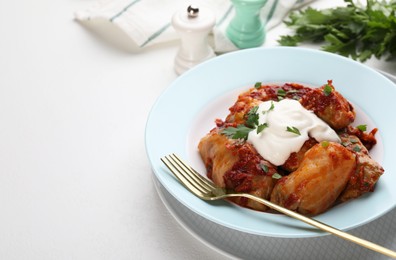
x: 206, y: 190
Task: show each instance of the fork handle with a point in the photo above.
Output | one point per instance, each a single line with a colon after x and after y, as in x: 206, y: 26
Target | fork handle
x: 321, y: 226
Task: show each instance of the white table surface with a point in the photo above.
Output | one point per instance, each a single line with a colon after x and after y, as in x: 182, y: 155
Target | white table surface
x: 75, y: 182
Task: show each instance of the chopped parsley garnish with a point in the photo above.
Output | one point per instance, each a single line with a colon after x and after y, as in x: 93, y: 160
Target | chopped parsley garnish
x: 276, y: 176
x: 242, y: 131
x: 362, y: 127
x: 239, y: 132
x: 327, y: 90
x: 261, y: 127
x: 252, y: 117
x: 257, y: 85
x: 356, y: 148
x: 281, y: 93
x: 293, y: 130
x: 325, y: 144
x: 272, y: 106
x: 264, y: 167
x: 269, y: 109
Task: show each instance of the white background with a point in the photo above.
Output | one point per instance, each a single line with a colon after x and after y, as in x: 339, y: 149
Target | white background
x: 75, y: 182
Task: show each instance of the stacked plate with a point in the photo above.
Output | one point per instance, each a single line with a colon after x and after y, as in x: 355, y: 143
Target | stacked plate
x: 186, y: 111
x: 235, y: 244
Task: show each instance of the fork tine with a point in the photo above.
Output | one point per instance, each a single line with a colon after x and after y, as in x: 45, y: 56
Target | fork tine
x: 201, y: 180
x: 182, y: 177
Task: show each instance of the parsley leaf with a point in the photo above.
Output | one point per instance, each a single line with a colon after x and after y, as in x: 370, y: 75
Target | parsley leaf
x: 261, y: 127
x: 293, y: 130
x: 356, y: 148
x: 252, y: 122
x: 264, y: 167
x: 272, y: 106
x: 252, y: 117
x: 362, y: 127
x: 276, y: 176
x: 327, y: 90
x: 242, y: 131
x: 239, y: 132
x: 257, y: 85
x: 269, y: 109
x: 355, y: 30
x: 325, y: 144
x: 281, y: 93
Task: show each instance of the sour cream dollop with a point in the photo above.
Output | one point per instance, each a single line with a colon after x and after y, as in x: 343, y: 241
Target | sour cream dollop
x: 275, y: 143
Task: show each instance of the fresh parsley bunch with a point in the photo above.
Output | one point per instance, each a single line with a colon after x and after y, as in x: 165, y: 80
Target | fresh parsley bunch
x: 354, y: 31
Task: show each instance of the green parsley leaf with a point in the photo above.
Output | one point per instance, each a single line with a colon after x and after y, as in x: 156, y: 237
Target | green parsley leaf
x: 293, y: 130
x: 288, y: 40
x: 272, y: 106
x: 252, y: 117
x: 269, y: 109
x: 257, y: 85
x: 357, y: 148
x: 239, y: 132
x: 362, y: 127
x: 261, y: 127
x: 327, y: 90
x: 325, y: 144
x: 252, y: 122
x: 345, y: 144
x: 281, y: 93
x: 264, y: 167
x: 276, y: 176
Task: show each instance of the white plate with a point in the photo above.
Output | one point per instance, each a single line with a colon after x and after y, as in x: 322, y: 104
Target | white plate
x: 186, y: 111
x: 232, y: 243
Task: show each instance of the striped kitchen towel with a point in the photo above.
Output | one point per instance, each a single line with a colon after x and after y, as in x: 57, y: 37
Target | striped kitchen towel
x: 148, y: 22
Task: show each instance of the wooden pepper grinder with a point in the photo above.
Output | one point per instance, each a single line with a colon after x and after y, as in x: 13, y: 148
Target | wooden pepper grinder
x: 193, y: 27
x: 246, y: 29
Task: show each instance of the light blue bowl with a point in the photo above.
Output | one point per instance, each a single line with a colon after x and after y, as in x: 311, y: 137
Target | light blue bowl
x: 186, y: 111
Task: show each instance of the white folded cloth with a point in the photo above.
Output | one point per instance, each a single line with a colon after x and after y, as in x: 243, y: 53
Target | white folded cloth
x: 148, y: 22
